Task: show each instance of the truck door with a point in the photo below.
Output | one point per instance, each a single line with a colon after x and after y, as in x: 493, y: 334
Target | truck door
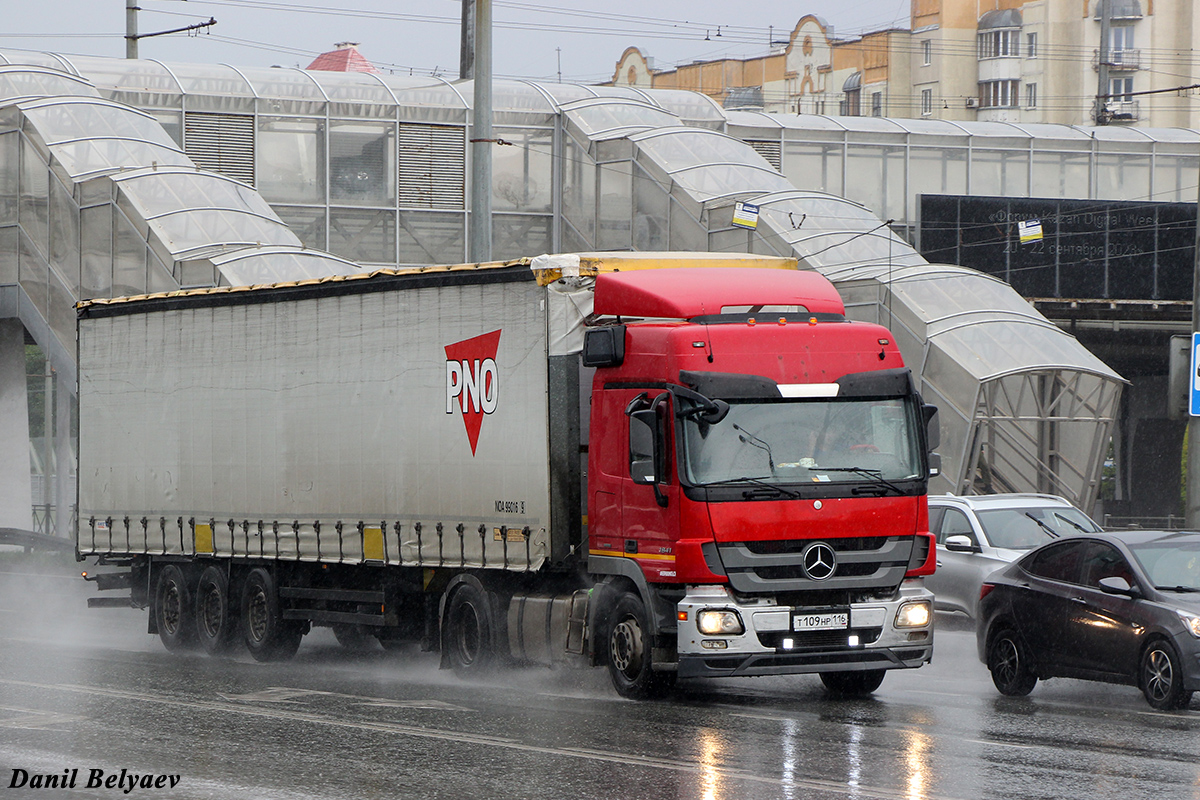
x: 650, y: 493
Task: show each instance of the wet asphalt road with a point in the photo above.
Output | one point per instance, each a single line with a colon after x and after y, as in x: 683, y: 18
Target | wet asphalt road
x: 89, y: 690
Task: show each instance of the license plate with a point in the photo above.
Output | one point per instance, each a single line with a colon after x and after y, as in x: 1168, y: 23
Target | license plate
x: 821, y: 622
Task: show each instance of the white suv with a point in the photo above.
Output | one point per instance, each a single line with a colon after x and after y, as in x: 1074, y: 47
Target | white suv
x: 978, y: 534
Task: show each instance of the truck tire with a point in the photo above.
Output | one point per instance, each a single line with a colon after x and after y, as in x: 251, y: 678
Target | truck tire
x: 268, y: 636
x: 629, y: 645
x: 469, y: 634
x: 853, y: 684
x: 216, y: 621
x: 174, y: 612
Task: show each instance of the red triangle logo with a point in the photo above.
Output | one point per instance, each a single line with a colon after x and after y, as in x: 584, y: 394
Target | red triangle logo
x: 473, y: 381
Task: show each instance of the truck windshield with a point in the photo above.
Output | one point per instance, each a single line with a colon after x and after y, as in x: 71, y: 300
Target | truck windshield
x: 803, y: 441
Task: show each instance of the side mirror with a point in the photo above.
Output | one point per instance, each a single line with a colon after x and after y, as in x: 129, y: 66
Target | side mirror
x: 961, y: 543
x: 935, y: 464
x: 604, y: 347
x: 1117, y: 585
x: 933, y: 430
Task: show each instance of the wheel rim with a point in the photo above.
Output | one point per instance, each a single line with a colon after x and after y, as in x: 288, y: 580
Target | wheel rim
x: 257, y: 616
x: 1159, y: 675
x: 466, y: 634
x: 1007, y: 661
x: 625, y: 647
x: 212, y: 611
x: 171, y: 608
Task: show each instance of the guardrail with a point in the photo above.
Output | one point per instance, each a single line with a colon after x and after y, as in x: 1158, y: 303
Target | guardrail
x: 34, y: 541
x: 1167, y: 523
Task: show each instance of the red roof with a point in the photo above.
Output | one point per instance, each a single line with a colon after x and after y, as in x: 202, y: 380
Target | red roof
x: 345, y: 58
x: 689, y: 292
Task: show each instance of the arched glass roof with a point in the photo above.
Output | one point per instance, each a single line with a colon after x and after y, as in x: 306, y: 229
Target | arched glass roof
x: 17, y: 83
x: 596, y: 117
x: 1001, y: 18
x: 250, y: 267
x: 89, y: 135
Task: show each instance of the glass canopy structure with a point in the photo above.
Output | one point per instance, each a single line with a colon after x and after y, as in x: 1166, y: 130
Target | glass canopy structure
x: 126, y: 177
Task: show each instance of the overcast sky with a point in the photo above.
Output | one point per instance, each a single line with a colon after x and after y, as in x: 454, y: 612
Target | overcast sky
x: 421, y: 37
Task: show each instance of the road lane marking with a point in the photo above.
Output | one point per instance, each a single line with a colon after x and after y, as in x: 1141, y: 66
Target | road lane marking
x: 838, y: 788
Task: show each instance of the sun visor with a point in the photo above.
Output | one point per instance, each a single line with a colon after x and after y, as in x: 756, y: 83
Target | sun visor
x: 729, y: 384
x: 877, y: 383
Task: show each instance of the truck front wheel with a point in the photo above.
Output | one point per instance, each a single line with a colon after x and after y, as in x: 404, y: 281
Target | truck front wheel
x: 629, y: 644
x: 268, y: 636
x: 216, y: 622
x: 853, y: 684
x: 173, y: 610
x: 468, y: 631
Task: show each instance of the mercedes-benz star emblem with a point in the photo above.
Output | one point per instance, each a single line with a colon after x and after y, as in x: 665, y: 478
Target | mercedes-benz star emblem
x: 819, y: 561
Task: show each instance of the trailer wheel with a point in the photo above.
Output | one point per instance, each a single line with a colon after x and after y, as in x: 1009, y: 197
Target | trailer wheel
x: 629, y: 645
x: 216, y: 621
x: 173, y: 609
x: 469, y: 631
x: 853, y: 684
x: 268, y: 636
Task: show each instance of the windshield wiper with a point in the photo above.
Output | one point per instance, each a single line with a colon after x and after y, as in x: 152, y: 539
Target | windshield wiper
x: 1053, y: 534
x: 875, y: 475
x: 773, y: 488
x: 1072, y: 523
x: 1177, y: 588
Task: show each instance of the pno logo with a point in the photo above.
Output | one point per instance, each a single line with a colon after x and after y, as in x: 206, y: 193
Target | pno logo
x: 473, y: 378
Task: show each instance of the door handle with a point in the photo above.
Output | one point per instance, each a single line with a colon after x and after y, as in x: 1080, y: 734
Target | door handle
x: 1079, y: 600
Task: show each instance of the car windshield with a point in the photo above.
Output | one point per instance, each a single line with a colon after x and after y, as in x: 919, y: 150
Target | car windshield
x: 803, y: 441
x: 1170, y: 563
x: 1025, y: 528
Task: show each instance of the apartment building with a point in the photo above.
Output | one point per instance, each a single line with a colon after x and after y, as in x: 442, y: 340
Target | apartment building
x: 1024, y: 61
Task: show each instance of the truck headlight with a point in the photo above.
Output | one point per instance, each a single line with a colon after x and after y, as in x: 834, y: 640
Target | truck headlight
x: 1191, y: 622
x: 913, y: 615
x: 719, y: 622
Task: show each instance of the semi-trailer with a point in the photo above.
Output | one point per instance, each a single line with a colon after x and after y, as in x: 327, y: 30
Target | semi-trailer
x: 676, y: 465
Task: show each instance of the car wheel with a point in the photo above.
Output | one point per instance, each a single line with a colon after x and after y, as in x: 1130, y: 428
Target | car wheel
x: 1161, y: 677
x: 629, y: 662
x: 1008, y: 661
x: 852, y: 684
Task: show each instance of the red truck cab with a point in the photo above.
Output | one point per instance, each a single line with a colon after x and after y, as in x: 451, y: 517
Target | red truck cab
x: 757, y: 473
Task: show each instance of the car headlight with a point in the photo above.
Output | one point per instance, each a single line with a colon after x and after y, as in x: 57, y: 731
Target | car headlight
x: 1190, y: 621
x: 719, y: 622
x: 913, y: 615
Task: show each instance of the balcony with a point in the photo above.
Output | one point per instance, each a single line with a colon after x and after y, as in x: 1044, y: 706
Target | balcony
x: 1121, y: 111
x: 1119, y: 60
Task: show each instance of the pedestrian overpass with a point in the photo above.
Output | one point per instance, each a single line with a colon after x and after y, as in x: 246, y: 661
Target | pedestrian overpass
x: 130, y: 177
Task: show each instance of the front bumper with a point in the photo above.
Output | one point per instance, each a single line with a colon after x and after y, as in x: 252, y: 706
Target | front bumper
x: 770, y: 646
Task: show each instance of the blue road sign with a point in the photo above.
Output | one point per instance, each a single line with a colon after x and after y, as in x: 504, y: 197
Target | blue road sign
x: 1194, y: 404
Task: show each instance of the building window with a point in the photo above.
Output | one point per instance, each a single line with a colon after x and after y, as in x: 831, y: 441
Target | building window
x: 1031, y: 45
x: 926, y: 52
x: 999, y: 44
x: 852, y: 104
x: 1121, y: 89
x: 999, y: 94
x: 1122, y: 38
x: 926, y: 102
x: 1031, y: 95
x: 876, y: 104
